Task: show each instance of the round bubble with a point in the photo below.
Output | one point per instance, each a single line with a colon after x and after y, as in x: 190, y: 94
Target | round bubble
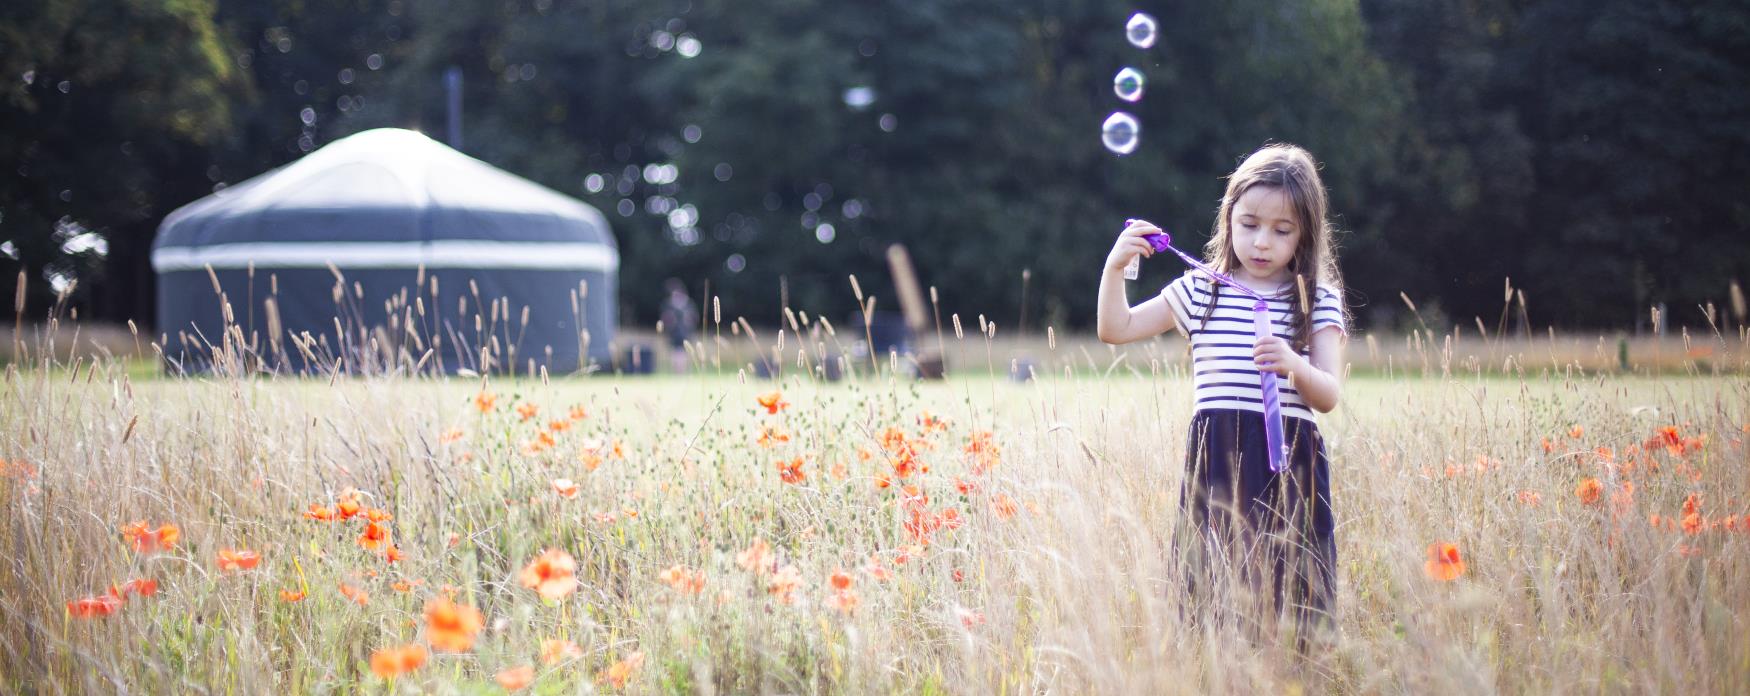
x: 825, y: 233
x: 735, y: 263
x: 1140, y: 30
x: 1128, y: 84
x: 1120, y: 133
x: 688, y: 46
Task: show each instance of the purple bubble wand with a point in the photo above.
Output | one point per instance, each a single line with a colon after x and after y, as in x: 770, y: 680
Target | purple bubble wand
x: 1261, y: 330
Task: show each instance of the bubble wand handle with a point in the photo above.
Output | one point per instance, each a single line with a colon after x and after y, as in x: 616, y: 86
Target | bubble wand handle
x: 1272, y: 394
x: 1260, y: 329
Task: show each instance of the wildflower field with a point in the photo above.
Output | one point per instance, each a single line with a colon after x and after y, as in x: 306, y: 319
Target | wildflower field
x: 1561, y: 532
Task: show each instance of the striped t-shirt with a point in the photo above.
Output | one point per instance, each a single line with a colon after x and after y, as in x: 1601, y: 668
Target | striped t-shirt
x: 1221, y: 350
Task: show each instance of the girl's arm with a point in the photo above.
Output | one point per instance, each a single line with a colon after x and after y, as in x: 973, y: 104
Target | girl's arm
x: 1118, y: 322
x: 1315, y: 377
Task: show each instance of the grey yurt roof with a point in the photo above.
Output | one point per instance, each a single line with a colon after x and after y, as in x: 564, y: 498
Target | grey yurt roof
x: 390, y: 186
x: 393, y: 211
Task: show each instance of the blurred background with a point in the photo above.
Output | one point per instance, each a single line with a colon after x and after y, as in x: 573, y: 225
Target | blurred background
x: 1595, y: 152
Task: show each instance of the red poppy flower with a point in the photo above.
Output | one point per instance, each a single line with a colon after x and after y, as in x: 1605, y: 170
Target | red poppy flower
x: 1444, y: 563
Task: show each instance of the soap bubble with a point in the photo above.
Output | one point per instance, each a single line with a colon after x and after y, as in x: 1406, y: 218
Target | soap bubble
x: 1120, y: 133
x: 1128, y: 85
x: 1140, y: 30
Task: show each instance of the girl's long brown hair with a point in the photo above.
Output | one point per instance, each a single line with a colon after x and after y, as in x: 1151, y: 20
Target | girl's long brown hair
x: 1290, y: 169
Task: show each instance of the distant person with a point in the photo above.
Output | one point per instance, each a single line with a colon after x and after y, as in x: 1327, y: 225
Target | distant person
x: 679, y: 315
x: 1274, y: 530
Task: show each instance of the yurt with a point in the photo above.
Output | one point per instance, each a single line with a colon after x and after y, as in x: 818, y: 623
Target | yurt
x: 386, y: 251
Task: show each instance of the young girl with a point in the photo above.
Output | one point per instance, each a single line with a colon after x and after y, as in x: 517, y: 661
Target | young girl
x: 1271, y: 532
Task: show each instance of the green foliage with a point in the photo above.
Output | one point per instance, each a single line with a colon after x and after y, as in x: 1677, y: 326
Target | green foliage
x: 108, y: 110
x: 1590, y: 151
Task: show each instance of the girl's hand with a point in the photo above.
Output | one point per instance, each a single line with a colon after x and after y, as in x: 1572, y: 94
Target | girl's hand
x: 1130, y: 243
x: 1275, y: 355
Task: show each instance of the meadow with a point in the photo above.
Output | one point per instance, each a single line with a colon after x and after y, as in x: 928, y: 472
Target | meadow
x: 1547, y: 529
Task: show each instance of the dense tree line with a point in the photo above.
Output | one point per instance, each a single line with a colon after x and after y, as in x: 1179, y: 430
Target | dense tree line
x: 1595, y: 152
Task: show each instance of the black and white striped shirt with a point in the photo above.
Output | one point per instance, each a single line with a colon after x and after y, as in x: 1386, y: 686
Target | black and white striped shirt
x: 1221, y: 350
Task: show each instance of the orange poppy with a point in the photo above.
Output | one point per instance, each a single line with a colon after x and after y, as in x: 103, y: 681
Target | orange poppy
x: 376, y: 515
x: 389, y: 663
x: 355, y: 594
x: 577, y: 413
x: 769, y: 437
x: 96, y: 605
x: 516, y: 678
x: 149, y: 540
x: 485, y: 400
x: 773, y: 402
x: 784, y: 583
x: 591, y: 458
x: 840, y: 580
x: 289, y: 596
x: 552, y: 574
x: 1444, y: 563
x: 240, y: 559
x: 319, y: 513
x: 845, y: 601
x: 18, y: 468
x: 527, y: 410
x: 452, y: 435
x: 757, y: 557
x: 450, y: 626
x: 985, y: 453
x: 144, y: 587
x: 969, y: 618
x: 558, y: 426
x: 393, y: 554
x: 682, y: 579
x: 1004, y: 506
x: 405, y: 586
x: 1589, y: 490
x: 791, y: 471
x: 566, y: 488
x: 1576, y: 432
x: 1530, y: 498
x: 348, y: 505
x: 554, y: 651
x: 375, y: 536
x: 876, y: 570
x: 621, y: 672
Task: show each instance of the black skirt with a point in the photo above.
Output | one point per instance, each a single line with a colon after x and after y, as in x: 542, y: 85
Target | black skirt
x: 1271, y: 533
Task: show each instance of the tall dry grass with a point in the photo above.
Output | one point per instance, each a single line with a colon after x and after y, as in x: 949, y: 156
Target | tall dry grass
x: 1076, y: 591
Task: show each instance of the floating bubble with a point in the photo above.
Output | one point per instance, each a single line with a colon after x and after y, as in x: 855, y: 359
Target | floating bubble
x: 1120, y: 133
x: 688, y: 46
x: 735, y: 263
x: 859, y: 97
x: 1128, y: 84
x: 825, y: 233
x: 1140, y: 30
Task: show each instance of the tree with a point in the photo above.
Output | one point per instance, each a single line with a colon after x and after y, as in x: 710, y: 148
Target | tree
x: 107, y: 109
